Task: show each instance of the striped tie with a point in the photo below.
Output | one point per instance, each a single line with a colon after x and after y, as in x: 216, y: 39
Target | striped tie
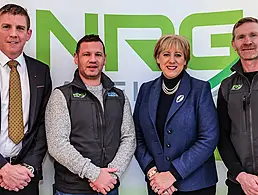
x: 15, y: 118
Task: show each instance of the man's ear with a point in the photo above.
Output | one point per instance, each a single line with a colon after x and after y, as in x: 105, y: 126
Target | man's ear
x: 75, y: 58
x: 233, y: 44
x: 29, y: 33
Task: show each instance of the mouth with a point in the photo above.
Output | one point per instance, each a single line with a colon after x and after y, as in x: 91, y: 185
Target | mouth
x: 13, y: 42
x: 248, y: 49
x: 171, y: 67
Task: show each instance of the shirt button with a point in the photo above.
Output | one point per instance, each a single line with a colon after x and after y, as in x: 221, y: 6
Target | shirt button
x: 168, y: 145
x: 168, y: 158
x: 169, y: 131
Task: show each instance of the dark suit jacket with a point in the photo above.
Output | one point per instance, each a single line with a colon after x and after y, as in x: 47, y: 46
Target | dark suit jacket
x: 34, y: 144
x: 190, y: 132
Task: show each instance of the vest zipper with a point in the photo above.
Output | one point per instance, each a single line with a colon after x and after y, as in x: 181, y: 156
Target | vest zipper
x: 248, y: 105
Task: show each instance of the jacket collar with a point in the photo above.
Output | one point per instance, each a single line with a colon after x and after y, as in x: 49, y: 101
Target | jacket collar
x: 238, y: 67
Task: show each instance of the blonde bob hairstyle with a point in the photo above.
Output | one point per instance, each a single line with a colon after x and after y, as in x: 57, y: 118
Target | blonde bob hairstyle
x: 166, y: 42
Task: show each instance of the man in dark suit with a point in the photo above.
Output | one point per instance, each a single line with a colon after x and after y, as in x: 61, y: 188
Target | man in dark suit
x: 25, y: 86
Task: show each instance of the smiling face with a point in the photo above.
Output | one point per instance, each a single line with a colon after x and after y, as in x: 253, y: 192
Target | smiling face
x: 246, y: 41
x: 171, y: 62
x: 90, y: 60
x: 14, y: 33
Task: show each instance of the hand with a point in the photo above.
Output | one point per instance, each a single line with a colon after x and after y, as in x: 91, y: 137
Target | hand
x: 169, y: 191
x: 105, y: 182
x: 15, y: 177
x: 162, y: 181
x: 249, y: 183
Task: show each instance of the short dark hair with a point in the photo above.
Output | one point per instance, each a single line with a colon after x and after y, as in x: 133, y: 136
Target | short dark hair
x: 89, y: 38
x: 241, y: 22
x: 15, y: 10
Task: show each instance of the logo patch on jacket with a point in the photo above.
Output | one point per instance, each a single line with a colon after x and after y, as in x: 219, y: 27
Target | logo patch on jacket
x: 112, y: 94
x: 236, y: 87
x: 79, y: 95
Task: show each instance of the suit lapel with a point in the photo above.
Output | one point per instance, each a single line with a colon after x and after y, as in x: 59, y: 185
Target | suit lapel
x: 180, y: 97
x: 153, y: 107
x: 33, y: 91
x: 154, y: 100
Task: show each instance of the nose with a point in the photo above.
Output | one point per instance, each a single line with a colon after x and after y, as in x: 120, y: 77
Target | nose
x: 92, y: 58
x: 172, y: 59
x: 247, y: 40
x: 13, y: 32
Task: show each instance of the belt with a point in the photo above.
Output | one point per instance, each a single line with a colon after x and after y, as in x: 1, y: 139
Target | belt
x: 10, y: 159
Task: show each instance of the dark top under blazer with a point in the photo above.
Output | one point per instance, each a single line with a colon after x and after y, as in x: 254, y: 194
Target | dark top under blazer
x: 34, y: 144
x: 190, y: 134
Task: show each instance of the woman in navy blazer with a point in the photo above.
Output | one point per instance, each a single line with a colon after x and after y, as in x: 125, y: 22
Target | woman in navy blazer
x: 176, y: 126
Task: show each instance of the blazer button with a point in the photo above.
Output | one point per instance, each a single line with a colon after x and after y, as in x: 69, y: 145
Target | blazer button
x: 168, y: 145
x: 169, y: 131
x: 168, y: 158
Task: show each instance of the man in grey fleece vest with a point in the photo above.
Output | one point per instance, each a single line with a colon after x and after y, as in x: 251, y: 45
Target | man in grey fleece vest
x: 89, y: 127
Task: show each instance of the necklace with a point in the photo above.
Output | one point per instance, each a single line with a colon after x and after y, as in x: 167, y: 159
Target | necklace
x: 170, y: 91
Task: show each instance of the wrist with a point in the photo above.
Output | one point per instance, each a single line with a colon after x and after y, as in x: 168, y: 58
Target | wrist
x: 31, y: 168
x: 239, y: 176
x: 152, y: 172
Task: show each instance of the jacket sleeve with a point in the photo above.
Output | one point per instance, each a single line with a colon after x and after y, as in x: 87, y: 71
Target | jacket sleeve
x: 207, y: 138
x: 142, y: 154
x: 36, y: 154
x: 225, y: 146
x: 58, y: 129
x: 127, y: 142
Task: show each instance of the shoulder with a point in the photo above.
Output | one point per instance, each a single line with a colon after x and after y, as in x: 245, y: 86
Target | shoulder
x: 149, y: 84
x: 198, y: 83
x: 33, y: 61
x: 229, y: 79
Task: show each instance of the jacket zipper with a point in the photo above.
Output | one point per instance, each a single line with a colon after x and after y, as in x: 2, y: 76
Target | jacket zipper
x: 102, y: 124
x: 248, y: 105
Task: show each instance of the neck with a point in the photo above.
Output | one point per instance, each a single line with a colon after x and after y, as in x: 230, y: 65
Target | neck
x: 250, y: 65
x: 91, y: 81
x: 12, y: 56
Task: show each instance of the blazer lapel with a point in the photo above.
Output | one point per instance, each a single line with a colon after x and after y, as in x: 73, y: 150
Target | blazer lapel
x: 33, y: 91
x: 154, y: 100
x: 181, y: 95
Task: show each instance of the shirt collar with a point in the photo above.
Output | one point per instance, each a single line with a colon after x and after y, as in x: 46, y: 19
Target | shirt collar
x: 4, y: 59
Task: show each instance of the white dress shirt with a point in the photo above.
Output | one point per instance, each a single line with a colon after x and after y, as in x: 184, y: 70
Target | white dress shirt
x: 7, y: 147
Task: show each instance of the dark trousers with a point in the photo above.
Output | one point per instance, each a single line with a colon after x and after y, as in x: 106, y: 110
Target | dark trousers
x: 234, y: 189
x: 31, y: 189
x: 205, y: 191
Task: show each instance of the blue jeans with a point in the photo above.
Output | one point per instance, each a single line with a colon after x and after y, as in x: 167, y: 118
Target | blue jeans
x: 113, y: 192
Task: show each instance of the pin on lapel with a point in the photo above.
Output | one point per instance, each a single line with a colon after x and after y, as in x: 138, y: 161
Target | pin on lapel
x: 180, y: 98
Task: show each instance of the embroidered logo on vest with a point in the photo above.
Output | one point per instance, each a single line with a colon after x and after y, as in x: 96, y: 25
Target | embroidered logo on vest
x: 236, y: 87
x: 79, y: 95
x: 112, y: 94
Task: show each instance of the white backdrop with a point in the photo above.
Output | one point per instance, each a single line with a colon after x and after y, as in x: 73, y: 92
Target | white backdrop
x: 57, y: 25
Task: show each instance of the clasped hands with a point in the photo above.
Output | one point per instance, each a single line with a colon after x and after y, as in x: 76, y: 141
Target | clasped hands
x: 14, y: 177
x: 105, y: 182
x: 162, y: 182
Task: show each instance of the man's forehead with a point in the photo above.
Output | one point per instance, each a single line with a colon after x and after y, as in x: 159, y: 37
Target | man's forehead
x: 16, y: 19
x: 248, y: 26
x: 91, y: 47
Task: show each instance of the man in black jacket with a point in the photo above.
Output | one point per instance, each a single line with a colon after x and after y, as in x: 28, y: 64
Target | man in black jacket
x: 238, y: 111
x: 25, y: 87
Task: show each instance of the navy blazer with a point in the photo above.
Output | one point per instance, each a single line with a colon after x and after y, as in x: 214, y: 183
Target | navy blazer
x: 191, y: 132
x: 34, y: 145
